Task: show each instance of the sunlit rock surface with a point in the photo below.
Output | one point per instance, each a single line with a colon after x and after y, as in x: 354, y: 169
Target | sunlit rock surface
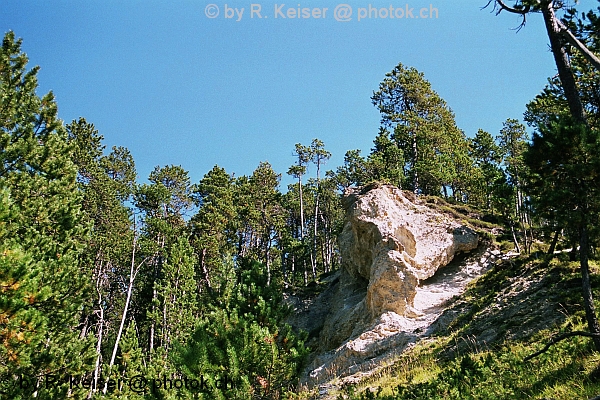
x: 389, y: 244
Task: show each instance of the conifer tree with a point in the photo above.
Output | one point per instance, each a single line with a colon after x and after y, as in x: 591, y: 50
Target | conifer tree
x: 106, y: 183
x: 164, y: 202
x: 513, y: 140
x: 487, y: 157
x: 261, y: 216
x: 564, y: 161
x: 42, y: 287
x: 318, y: 156
x: 423, y: 127
x: 241, y: 348
x: 213, y: 226
x: 386, y: 162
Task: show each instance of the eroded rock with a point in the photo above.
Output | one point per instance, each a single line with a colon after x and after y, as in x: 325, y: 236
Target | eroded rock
x: 390, y: 242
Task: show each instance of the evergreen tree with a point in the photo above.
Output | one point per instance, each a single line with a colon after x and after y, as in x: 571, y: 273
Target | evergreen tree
x: 294, y: 250
x: 565, y: 164
x: 164, y: 202
x: 213, y: 226
x: 318, y: 156
x: 353, y: 172
x: 423, y: 128
x: 106, y: 182
x: 487, y: 157
x: 561, y: 40
x: 261, y: 216
x: 42, y: 285
x: 386, y: 162
x: 241, y: 348
x: 513, y: 141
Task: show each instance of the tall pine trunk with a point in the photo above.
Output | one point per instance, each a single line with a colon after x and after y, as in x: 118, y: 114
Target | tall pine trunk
x: 588, y: 298
x: 414, y: 163
x: 313, y: 253
x: 565, y: 72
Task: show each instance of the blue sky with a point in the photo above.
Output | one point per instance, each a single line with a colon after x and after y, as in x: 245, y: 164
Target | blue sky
x: 177, y: 87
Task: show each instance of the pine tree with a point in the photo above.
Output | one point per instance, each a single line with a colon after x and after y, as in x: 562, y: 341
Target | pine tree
x: 487, y: 157
x: 386, y: 162
x: 353, y: 172
x: 241, y: 348
x: 565, y: 164
x: 261, y: 216
x: 513, y: 140
x: 164, y: 203
x: 213, y: 226
x: 423, y: 127
x: 318, y: 156
x: 42, y: 285
x: 106, y: 182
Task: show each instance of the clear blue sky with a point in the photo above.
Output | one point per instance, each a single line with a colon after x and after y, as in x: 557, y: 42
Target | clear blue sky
x: 177, y: 87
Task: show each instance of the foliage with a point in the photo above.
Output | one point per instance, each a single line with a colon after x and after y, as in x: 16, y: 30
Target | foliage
x: 42, y: 234
x: 423, y: 129
x: 241, y: 340
x: 102, y: 277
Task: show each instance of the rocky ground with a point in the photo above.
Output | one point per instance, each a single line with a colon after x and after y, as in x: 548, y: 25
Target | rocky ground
x: 513, y: 301
x: 392, y: 334
x: 402, y: 262
x: 406, y: 268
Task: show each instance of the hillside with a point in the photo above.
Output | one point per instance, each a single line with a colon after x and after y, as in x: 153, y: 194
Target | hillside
x: 477, y: 346
x: 470, y: 326
x: 483, y: 337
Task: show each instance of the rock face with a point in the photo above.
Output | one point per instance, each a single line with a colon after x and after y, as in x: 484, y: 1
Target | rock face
x: 390, y: 242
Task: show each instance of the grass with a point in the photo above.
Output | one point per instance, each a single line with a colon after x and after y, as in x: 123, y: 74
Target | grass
x: 566, y: 371
x: 457, y: 364
x: 469, y: 216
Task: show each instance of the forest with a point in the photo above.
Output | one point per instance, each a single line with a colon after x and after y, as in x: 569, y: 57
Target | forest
x: 173, y: 289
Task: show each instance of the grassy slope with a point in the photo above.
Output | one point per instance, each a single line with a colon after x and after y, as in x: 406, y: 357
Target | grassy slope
x: 504, y: 316
x: 483, y: 337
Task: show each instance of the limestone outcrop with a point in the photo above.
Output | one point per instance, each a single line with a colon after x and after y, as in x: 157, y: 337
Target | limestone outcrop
x: 390, y: 242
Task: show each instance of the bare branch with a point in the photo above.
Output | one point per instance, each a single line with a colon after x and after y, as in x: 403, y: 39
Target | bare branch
x: 488, y: 4
x: 513, y: 10
x: 499, y: 6
x: 558, y: 339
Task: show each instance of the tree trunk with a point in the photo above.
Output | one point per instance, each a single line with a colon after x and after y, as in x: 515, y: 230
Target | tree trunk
x: 512, y: 229
x: 301, y: 209
x: 283, y: 258
x: 313, y: 253
x: 554, y: 241
x: 132, y: 273
x: 414, y: 166
x: 565, y: 72
x: 204, y: 269
x: 588, y: 298
x: 100, y: 334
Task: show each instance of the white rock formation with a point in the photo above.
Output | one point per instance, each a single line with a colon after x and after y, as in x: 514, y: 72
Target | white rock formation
x: 390, y: 242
